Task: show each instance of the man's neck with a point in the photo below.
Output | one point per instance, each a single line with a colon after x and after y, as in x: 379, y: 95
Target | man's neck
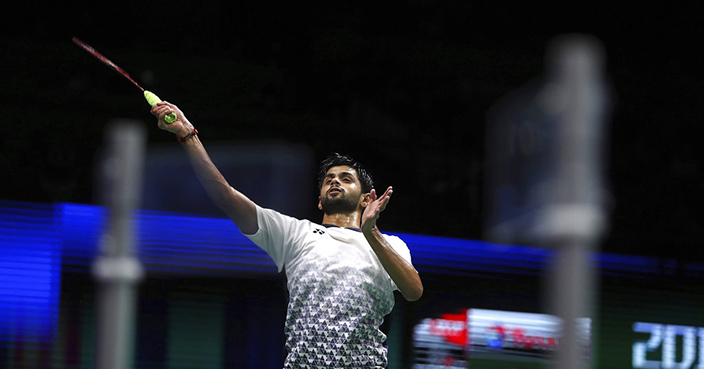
x: 351, y: 220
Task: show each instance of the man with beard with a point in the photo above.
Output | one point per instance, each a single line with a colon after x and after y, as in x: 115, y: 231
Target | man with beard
x: 340, y: 275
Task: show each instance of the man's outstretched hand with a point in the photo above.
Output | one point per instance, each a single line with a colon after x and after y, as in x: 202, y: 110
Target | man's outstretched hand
x: 180, y: 127
x: 374, y: 209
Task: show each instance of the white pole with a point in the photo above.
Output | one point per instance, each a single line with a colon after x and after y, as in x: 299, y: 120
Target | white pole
x: 574, y: 223
x: 116, y: 268
x: 546, y: 183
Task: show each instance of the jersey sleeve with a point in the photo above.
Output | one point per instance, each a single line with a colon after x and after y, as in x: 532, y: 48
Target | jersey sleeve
x: 401, y: 248
x: 276, y: 234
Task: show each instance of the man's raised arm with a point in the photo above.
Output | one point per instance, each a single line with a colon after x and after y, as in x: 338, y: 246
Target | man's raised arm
x: 401, y: 271
x: 237, y: 206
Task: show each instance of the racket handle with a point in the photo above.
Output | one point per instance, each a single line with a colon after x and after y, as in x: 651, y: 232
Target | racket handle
x: 152, y: 99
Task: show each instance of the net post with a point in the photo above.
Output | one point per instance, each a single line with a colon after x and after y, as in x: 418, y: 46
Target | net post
x: 116, y: 269
x: 545, y: 180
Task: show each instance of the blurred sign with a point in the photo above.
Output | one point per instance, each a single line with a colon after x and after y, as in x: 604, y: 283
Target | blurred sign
x: 667, y: 346
x: 478, y: 335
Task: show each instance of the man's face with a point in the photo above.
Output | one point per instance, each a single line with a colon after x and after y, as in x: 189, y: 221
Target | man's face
x: 341, y: 191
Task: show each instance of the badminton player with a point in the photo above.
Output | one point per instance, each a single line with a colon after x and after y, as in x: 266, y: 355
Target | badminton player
x: 341, y: 274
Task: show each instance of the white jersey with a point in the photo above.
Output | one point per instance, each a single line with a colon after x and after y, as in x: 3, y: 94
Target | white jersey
x: 339, y: 292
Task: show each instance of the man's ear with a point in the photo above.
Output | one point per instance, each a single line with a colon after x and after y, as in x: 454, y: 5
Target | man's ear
x: 320, y: 204
x: 365, y: 200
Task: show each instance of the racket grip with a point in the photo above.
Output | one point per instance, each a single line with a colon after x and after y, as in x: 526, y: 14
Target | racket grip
x: 152, y: 99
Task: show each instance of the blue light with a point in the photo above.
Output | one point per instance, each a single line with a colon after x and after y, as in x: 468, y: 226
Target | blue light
x: 30, y: 257
x: 183, y: 243
x: 450, y: 254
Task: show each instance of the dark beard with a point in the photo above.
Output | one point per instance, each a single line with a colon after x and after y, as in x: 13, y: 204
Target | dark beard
x: 338, y: 205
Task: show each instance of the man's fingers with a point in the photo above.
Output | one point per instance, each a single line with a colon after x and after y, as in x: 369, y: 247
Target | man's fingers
x: 372, y: 193
x: 158, y: 110
x: 384, y: 202
x: 162, y: 112
x: 388, y: 192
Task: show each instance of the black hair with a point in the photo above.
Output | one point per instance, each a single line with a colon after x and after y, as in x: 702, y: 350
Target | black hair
x: 335, y: 160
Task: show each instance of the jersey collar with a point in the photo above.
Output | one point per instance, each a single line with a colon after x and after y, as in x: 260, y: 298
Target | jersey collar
x: 336, y: 226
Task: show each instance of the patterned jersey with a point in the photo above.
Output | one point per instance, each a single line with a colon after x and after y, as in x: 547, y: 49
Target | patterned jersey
x: 339, y: 292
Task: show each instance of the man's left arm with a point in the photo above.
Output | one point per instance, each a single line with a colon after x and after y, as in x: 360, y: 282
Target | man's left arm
x: 399, y: 269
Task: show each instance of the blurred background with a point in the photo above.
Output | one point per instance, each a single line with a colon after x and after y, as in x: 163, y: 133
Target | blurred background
x: 404, y: 87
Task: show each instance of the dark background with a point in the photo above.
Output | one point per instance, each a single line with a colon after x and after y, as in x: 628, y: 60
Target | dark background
x: 405, y: 87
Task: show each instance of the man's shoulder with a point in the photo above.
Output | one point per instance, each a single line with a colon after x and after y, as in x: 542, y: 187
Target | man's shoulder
x: 282, y: 217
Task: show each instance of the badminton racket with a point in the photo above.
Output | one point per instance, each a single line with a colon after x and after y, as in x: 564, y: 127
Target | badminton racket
x: 152, y: 99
